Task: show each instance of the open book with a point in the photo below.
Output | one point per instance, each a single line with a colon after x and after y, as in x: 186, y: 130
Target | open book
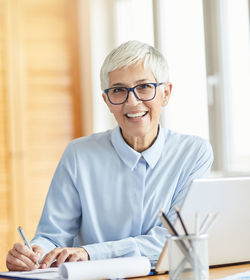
x: 99, y: 269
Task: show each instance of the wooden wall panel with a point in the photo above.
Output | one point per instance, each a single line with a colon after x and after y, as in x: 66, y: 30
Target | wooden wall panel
x: 49, y: 96
x: 40, y: 106
x: 5, y: 211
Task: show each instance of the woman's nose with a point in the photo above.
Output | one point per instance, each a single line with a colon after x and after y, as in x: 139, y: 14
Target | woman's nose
x: 132, y: 100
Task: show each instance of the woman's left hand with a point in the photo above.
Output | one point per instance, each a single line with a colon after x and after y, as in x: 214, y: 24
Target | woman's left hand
x: 61, y: 255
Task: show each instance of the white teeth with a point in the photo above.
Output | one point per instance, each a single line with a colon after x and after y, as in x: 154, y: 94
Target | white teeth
x: 136, y: 115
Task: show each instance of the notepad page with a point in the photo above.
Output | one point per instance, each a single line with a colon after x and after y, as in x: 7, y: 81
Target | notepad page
x: 46, y: 273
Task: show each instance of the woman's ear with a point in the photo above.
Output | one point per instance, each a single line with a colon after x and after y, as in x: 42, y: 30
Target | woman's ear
x: 166, y: 94
x: 104, y: 96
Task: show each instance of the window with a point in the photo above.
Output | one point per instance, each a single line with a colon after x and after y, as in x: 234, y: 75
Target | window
x: 228, y: 66
x: 181, y: 35
x: 210, y: 73
x: 132, y: 22
x: 236, y: 18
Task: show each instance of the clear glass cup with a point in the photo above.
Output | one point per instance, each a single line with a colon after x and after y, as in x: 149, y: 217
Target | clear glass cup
x: 188, y: 257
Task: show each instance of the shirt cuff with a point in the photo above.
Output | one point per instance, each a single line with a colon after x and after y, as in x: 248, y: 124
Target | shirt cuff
x: 44, y: 243
x: 122, y: 248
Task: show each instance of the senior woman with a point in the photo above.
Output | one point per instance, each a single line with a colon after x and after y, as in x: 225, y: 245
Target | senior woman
x: 106, y: 192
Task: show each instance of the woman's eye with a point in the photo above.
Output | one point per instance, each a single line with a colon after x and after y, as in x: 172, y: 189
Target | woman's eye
x: 118, y: 90
x: 145, y: 86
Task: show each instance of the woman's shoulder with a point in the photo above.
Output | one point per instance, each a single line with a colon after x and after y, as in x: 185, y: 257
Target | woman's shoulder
x: 93, y: 141
x: 185, y: 140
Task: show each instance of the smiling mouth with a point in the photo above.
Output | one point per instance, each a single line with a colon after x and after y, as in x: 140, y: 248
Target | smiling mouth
x: 136, y: 115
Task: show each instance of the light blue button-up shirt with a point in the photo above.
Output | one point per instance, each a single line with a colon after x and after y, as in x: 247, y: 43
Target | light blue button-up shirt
x: 106, y: 197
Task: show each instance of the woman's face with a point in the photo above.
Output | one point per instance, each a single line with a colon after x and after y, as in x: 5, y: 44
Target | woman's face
x: 137, y: 118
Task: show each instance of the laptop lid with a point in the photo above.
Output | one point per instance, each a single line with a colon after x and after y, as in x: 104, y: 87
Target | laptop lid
x: 229, y: 236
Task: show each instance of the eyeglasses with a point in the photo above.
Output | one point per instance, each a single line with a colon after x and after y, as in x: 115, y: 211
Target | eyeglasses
x: 143, y: 92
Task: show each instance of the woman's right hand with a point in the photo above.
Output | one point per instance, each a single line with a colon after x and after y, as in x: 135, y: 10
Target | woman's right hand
x: 20, y: 257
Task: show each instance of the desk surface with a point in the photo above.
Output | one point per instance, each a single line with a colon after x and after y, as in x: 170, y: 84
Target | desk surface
x: 214, y: 273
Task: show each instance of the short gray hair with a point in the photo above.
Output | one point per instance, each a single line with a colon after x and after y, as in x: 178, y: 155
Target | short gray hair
x: 134, y: 52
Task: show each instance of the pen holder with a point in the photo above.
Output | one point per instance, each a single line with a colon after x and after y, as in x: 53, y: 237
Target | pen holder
x: 188, y: 257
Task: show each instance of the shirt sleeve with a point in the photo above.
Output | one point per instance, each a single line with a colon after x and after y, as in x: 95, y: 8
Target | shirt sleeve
x: 151, y: 244
x: 200, y: 168
x: 59, y: 223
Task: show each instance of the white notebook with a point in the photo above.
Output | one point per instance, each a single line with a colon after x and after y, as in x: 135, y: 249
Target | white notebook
x: 99, y: 269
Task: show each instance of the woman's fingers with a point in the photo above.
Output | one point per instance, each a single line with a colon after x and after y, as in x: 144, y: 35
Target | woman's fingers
x: 61, y: 255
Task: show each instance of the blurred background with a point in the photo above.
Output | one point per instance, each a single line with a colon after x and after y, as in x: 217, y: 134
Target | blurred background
x: 51, y: 52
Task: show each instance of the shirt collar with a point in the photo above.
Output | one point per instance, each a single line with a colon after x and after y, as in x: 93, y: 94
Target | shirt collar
x: 128, y: 155
x: 153, y: 153
x: 131, y: 157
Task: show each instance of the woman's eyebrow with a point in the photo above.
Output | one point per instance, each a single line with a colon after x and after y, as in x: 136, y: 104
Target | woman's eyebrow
x: 118, y: 84
x: 142, y: 81
x: 136, y: 83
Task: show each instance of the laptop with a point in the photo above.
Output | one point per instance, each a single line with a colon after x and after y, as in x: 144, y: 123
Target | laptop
x: 229, y: 236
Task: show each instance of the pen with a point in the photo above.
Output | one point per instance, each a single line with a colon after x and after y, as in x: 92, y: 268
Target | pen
x: 164, y: 219
x: 24, y: 237
x: 209, y: 224
x: 197, y: 223
x: 205, y: 221
x: 180, y: 218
